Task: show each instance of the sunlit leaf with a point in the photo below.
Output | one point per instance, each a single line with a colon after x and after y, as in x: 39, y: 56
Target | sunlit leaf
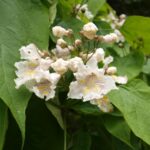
x: 133, y: 100
x: 136, y: 31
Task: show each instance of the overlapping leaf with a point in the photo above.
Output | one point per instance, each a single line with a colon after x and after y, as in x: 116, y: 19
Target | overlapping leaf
x: 22, y: 22
x: 133, y: 100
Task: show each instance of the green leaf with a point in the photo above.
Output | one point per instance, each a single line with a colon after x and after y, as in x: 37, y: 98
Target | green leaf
x: 66, y: 7
x: 130, y: 65
x: 24, y: 22
x: 146, y: 67
x: 95, y: 5
x: 118, y: 127
x: 133, y: 100
x: 136, y: 31
x: 56, y: 113
x: 42, y: 130
x: 52, y: 11
x: 85, y: 108
x: 3, y: 123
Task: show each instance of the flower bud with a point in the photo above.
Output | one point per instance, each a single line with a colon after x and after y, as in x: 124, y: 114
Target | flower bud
x: 111, y: 70
x: 120, y: 79
x: 78, y: 43
x: 75, y: 63
x: 110, y: 38
x: 71, y: 48
x: 60, y: 66
x: 59, y: 31
x: 61, y: 43
x: 89, y: 30
x: 99, y: 53
x: 122, y: 16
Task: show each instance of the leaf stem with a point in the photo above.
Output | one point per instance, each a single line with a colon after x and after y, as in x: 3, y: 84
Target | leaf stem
x: 65, y: 133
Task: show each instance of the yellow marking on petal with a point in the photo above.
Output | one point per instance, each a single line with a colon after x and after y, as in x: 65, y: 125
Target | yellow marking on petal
x: 30, y: 72
x: 44, y: 87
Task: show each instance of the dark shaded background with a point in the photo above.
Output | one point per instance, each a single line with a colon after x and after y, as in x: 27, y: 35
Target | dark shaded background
x: 131, y: 7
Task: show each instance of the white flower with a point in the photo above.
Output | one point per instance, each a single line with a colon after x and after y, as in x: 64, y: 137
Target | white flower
x: 103, y: 103
x: 45, y: 87
x: 98, y: 55
x: 83, y: 10
x: 107, y: 61
x: 28, y: 70
x: 120, y: 79
x: 91, y: 83
x: 111, y: 70
x: 89, y: 30
x: 60, y: 66
x: 88, y: 14
x: 59, y: 31
x: 75, y: 63
x: 110, y: 38
x: 29, y: 52
x: 120, y: 36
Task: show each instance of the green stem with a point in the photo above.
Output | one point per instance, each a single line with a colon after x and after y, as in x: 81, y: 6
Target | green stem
x: 65, y: 134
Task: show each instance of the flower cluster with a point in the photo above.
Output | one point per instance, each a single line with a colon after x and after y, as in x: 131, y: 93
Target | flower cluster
x: 40, y: 71
x: 116, y: 23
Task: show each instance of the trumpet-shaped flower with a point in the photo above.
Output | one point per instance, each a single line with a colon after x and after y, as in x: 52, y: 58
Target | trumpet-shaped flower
x: 91, y: 83
x: 28, y: 70
x: 29, y: 52
x: 45, y: 87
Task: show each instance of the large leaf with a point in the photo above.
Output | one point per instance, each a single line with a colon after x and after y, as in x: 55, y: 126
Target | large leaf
x: 3, y: 123
x: 118, y: 127
x: 136, y: 30
x: 130, y: 65
x: 66, y: 7
x: 43, y: 131
x: 22, y: 22
x: 133, y: 100
x: 95, y: 5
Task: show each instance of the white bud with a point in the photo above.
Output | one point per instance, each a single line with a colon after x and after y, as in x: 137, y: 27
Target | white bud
x: 59, y: 31
x: 71, y: 48
x: 75, y: 63
x: 89, y: 30
x: 78, y: 42
x: 110, y: 38
x: 60, y: 66
x: 120, y: 36
x: 62, y: 52
x: 107, y: 61
x: 111, y: 70
x: 120, y: 79
x: 61, y: 43
x: 122, y: 16
x: 99, y: 53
